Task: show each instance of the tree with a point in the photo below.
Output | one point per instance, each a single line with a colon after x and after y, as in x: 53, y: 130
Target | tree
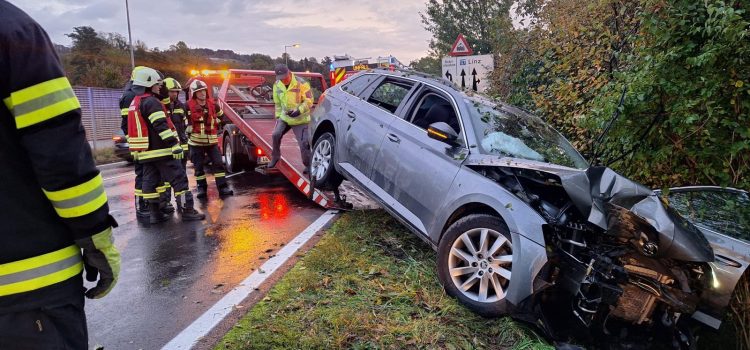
x: 445, y: 19
x: 427, y: 64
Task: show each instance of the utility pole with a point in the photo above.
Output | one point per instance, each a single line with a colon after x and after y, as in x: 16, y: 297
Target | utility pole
x: 130, y: 37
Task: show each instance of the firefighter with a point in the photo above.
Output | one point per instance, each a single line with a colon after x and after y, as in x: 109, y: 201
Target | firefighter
x: 204, y: 117
x: 141, y: 208
x: 176, y: 112
x: 53, y: 208
x: 154, y: 144
x: 293, y: 100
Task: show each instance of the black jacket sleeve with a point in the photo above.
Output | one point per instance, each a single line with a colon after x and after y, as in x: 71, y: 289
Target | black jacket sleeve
x: 153, y: 111
x: 47, y: 119
x: 178, y: 120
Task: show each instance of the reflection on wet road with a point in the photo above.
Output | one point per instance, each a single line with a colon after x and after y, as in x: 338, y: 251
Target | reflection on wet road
x: 173, y: 272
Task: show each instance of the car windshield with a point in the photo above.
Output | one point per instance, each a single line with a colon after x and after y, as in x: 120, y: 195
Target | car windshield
x: 502, y: 131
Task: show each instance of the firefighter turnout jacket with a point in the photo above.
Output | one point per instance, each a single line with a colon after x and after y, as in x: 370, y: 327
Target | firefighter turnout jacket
x: 296, y: 96
x: 151, y: 134
x: 176, y: 112
x: 51, y: 194
x: 204, y: 121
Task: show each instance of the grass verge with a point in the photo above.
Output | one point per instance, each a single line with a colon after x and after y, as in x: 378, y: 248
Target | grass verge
x: 105, y: 156
x: 369, y: 284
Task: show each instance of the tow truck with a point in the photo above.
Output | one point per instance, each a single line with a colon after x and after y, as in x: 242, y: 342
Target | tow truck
x: 246, y: 97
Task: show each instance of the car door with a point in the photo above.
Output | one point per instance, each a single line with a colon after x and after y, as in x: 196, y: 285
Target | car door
x: 364, y: 123
x: 723, y: 215
x: 412, y: 170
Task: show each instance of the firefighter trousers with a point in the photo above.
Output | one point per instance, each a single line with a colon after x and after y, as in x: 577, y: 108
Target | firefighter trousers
x: 300, y: 132
x: 199, y: 156
x: 50, y: 327
x: 155, y: 173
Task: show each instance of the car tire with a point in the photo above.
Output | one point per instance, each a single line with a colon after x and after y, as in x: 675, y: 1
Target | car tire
x: 464, y: 271
x: 323, y: 168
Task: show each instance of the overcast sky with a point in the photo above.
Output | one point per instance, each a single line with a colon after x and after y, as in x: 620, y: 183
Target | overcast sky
x: 322, y: 27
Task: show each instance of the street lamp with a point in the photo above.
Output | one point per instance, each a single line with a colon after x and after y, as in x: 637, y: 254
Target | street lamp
x: 130, y: 37
x: 286, y: 56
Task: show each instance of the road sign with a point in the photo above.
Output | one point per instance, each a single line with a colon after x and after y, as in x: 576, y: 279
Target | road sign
x: 468, y: 72
x: 461, y: 47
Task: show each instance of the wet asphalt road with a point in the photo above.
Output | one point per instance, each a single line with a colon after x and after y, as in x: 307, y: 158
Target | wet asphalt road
x: 173, y: 272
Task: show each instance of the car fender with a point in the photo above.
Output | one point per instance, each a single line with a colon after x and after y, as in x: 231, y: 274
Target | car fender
x: 524, y: 224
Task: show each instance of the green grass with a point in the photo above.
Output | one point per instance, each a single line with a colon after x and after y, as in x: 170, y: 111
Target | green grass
x: 369, y: 284
x: 105, y: 155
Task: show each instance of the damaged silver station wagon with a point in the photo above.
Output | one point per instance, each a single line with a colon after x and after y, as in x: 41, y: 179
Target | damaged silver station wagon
x: 523, y: 226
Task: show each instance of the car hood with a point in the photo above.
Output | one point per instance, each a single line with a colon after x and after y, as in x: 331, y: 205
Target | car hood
x: 621, y: 207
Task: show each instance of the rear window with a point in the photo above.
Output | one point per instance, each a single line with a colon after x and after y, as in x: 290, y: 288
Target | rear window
x: 389, y: 95
x: 355, y: 85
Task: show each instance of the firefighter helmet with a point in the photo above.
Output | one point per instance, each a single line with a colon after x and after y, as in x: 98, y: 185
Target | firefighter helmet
x: 197, y: 85
x: 146, y: 77
x: 132, y: 74
x: 172, y: 84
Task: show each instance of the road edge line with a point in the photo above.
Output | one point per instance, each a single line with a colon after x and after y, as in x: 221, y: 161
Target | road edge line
x: 202, y: 326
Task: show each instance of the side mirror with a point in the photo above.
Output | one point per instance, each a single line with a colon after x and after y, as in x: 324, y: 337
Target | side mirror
x: 442, y: 132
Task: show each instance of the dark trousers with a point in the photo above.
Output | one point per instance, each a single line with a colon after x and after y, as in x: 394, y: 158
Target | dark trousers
x: 138, y: 178
x: 169, y: 170
x: 300, y: 132
x: 198, y: 157
x: 54, y: 327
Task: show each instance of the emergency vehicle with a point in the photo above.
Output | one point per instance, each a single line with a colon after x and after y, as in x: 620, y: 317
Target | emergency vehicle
x: 345, y: 66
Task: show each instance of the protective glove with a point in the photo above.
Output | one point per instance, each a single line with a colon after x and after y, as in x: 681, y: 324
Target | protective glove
x: 100, y: 257
x: 293, y: 114
x: 177, y: 152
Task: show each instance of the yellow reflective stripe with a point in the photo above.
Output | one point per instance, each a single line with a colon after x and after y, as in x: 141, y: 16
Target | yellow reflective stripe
x: 202, y: 177
x: 154, y: 154
x: 41, y: 102
x: 124, y: 112
x: 220, y: 174
x: 156, y: 116
x: 179, y: 193
x: 219, y: 113
x: 184, y: 147
x: 178, y: 110
x: 150, y: 195
x: 40, y: 271
x: 166, y: 134
x: 138, y: 139
x: 78, y: 200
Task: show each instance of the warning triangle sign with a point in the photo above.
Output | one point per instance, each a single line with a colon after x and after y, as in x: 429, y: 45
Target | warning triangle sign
x: 461, y: 47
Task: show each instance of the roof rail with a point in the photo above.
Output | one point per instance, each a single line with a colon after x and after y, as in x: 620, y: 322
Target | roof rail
x: 421, y: 75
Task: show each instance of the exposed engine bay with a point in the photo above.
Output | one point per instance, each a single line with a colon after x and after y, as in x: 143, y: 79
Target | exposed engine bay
x: 619, y: 259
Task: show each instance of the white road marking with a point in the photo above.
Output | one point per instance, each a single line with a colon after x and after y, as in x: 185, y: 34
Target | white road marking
x: 213, y: 316
x: 119, y: 176
x: 235, y: 174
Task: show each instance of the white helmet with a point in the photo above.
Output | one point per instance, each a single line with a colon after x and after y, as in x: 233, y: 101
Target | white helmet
x: 146, y: 77
x: 197, y: 85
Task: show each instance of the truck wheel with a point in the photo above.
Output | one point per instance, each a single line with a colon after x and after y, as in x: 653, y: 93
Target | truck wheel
x: 322, y: 167
x: 231, y: 161
x: 475, y: 259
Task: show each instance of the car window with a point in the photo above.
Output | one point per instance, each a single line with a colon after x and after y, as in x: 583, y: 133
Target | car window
x: 726, y: 212
x: 389, y: 95
x: 355, y: 85
x: 433, y: 108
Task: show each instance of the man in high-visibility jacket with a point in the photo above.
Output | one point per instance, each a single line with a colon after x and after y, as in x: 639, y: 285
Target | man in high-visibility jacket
x: 141, y: 208
x: 52, y: 199
x: 204, y: 117
x: 293, y: 100
x: 154, y: 143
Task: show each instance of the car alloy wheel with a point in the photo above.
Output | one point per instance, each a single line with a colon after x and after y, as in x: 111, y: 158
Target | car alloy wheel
x: 322, y: 158
x: 480, y: 264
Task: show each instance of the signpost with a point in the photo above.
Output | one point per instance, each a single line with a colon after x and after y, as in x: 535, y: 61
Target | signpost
x: 466, y: 70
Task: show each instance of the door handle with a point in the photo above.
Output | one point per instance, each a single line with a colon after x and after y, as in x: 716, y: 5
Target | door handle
x: 394, y: 138
x: 726, y: 261
x: 351, y: 115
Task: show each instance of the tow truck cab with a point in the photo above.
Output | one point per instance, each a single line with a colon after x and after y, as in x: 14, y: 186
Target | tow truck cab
x: 250, y: 94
